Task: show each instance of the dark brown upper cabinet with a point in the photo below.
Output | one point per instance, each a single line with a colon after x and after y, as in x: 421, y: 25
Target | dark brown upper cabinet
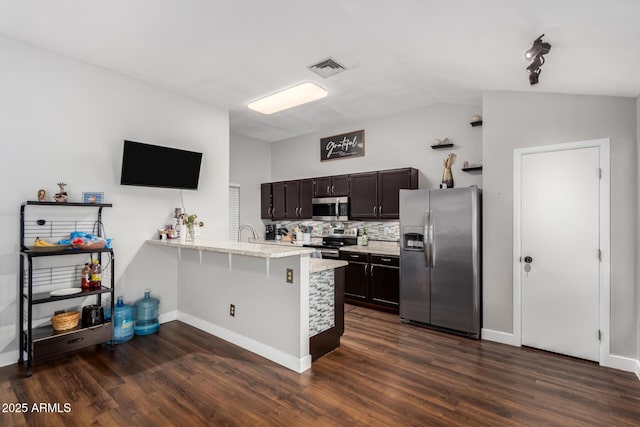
x: 305, y: 199
x: 265, y: 200
x: 286, y: 199
x: 375, y: 195
x: 328, y: 186
x: 298, y: 197
x: 278, y: 200
x: 363, y: 203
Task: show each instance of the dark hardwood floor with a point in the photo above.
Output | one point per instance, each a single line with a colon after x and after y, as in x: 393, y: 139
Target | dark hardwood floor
x: 385, y: 373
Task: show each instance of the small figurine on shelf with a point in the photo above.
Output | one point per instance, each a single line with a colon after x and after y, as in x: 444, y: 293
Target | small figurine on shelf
x: 42, y: 195
x: 61, y: 197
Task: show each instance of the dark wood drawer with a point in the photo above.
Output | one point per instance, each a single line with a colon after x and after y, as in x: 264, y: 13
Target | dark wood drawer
x: 354, y: 256
x: 75, y: 340
x: 391, y: 261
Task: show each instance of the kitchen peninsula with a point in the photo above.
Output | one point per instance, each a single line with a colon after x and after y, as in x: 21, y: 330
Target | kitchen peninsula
x: 272, y: 300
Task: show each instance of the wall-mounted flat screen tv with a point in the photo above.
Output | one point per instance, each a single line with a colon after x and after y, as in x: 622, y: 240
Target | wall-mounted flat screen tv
x: 149, y: 165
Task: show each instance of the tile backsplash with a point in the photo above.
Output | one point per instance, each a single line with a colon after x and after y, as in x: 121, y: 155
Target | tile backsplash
x: 376, y: 230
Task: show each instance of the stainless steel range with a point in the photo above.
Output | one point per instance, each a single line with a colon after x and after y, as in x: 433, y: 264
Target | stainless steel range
x: 331, y: 244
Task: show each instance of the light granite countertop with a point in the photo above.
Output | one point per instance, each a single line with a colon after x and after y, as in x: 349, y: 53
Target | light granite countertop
x: 375, y: 247
x: 320, y: 264
x: 238, y: 248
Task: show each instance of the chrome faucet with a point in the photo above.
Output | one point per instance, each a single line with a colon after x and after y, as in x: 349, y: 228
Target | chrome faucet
x: 253, y: 230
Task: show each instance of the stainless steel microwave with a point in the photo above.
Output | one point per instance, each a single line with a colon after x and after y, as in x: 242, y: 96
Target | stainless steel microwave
x: 330, y: 208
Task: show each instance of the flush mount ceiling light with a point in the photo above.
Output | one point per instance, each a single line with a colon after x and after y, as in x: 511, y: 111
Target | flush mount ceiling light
x: 536, y: 52
x: 288, y: 98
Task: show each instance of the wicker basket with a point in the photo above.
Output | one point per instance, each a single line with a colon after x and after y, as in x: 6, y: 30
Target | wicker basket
x: 65, y: 321
x: 91, y: 245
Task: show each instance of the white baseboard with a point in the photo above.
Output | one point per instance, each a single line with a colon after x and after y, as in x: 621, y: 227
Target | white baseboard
x: 622, y: 363
x: 288, y: 361
x: 168, y: 317
x: 501, y: 337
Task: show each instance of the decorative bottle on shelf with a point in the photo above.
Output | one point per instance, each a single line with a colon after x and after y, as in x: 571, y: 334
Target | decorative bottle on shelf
x: 146, y: 310
x: 122, y: 322
x: 96, y: 275
x: 85, y: 275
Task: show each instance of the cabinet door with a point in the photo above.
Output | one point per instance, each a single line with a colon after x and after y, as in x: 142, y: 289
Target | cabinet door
x: 305, y: 198
x: 291, y: 197
x: 323, y: 187
x: 340, y: 185
x: 389, y: 185
x: 385, y: 285
x: 277, y: 200
x: 265, y: 200
x: 356, y: 284
x: 364, y: 191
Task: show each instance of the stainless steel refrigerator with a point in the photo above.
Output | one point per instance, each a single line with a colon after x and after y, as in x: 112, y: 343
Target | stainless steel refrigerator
x: 440, y: 259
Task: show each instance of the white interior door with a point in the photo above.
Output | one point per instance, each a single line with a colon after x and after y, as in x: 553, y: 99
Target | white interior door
x: 560, y: 222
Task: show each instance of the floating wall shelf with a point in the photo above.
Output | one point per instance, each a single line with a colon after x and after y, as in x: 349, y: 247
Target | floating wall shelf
x: 472, y: 168
x: 435, y: 147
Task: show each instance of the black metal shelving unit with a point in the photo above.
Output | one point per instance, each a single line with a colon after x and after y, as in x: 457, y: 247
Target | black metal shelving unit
x: 43, y: 342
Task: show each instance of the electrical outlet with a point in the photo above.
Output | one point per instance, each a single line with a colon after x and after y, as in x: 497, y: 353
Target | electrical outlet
x: 232, y: 310
x: 289, y: 275
x: 386, y: 231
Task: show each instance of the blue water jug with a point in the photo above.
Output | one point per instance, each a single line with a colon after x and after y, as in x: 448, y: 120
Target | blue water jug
x: 122, y: 323
x: 147, y: 311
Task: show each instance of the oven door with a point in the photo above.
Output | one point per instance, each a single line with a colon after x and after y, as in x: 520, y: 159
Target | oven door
x: 329, y: 253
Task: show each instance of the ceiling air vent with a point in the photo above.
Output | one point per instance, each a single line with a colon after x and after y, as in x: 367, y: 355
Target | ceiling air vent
x: 327, y: 68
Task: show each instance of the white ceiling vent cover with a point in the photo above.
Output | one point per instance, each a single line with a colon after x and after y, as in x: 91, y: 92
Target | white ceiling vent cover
x: 327, y: 68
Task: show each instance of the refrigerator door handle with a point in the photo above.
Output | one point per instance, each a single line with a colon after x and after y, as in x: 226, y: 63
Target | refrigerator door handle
x: 432, y: 245
x: 426, y: 244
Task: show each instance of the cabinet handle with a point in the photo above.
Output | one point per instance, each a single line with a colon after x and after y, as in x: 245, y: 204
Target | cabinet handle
x: 75, y: 340
x: 297, y: 212
x: 269, y: 212
x: 385, y: 259
x: 380, y: 210
x: 366, y: 267
x: 374, y: 210
x: 354, y: 256
x: 372, y: 270
x: 328, y: 192
x: 300, y: 211
x: 332, y: 189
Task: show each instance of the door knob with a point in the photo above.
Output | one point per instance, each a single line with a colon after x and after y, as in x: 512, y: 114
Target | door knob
x: 528, y: 259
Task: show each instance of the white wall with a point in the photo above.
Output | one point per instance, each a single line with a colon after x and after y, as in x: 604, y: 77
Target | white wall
x: 638, y: 233
x: 514, y: 120
x: 401, y: 140
x: 249, y: 165
x: 64, y: 120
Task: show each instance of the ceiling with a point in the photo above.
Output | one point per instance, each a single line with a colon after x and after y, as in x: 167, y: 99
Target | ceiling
x: 399, y: 55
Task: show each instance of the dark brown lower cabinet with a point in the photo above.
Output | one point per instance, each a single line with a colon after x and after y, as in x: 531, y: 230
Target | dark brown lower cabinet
x: 372, y: 280
x: 356, y: 276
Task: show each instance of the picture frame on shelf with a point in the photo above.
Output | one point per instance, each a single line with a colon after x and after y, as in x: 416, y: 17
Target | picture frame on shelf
x: 92, y: 197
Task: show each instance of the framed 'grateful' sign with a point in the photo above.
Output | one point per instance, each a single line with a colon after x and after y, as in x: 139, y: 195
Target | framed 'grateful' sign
x: 342, y: 146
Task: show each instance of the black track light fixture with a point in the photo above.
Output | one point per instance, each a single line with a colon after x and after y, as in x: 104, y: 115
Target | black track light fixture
x: 539, y: 48
x: 535, y: 53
